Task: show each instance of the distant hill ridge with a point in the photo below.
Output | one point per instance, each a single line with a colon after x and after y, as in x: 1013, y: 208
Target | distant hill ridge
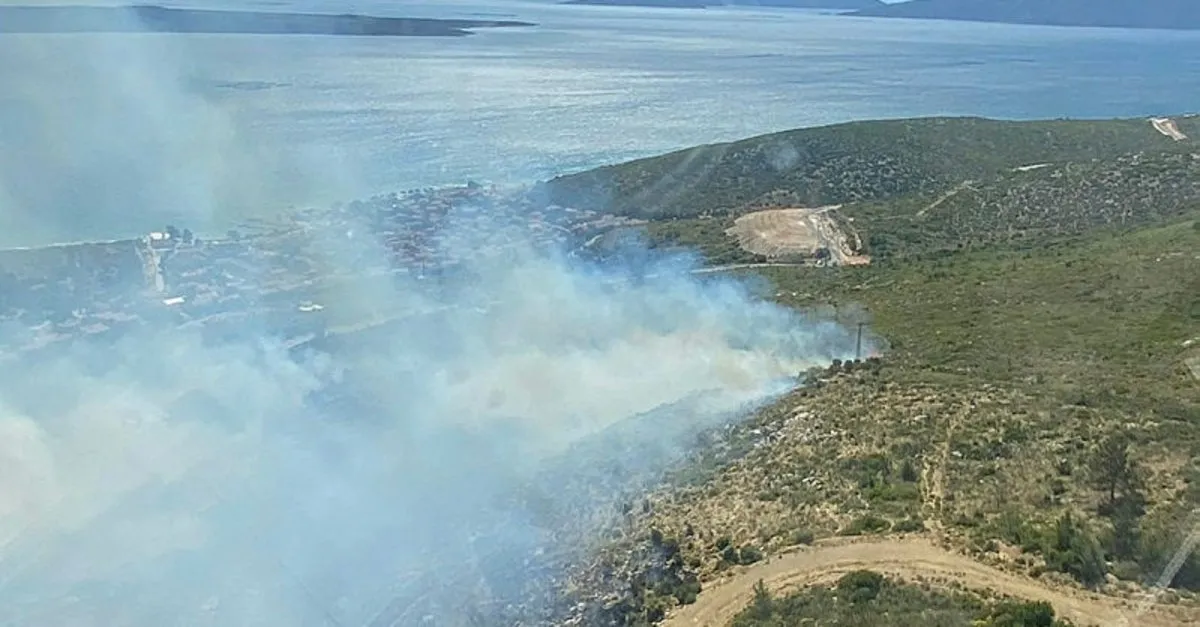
x: 1164, y: 14
x: 701, y: 4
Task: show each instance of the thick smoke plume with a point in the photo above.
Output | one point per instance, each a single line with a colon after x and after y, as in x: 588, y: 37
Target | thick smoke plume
x: 164, y: 481
x: 419, y: 472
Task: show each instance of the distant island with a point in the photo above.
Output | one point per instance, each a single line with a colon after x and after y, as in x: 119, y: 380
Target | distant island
x: 144, y: 18
x: 847, y: 5
x: 1164, y: 14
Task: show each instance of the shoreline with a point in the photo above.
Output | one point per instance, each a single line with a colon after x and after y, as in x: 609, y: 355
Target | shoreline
x: 247, y: 227
x: 512, y: 188
x: 74, y: 244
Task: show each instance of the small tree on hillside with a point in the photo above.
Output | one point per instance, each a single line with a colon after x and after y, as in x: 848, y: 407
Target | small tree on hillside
x: 763, y: 605
x: 1125, y: 534
x: 1073, y: 550
x: 1115, y: 475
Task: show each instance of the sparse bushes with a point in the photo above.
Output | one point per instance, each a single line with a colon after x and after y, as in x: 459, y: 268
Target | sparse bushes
x: 1074, y: 550
x: 730, y: 555
x: 860, y: 586
x: 749, y: 555
x: 684, y: 591
x: 865, y: 524
x: 868, y: 599
x: 1068, y: 545
x: 745, y: 555
x: 1022, y: 614
x: 869, y: 471
x: 909, y: 525
x: 893, y: 492
x: 802, y: 536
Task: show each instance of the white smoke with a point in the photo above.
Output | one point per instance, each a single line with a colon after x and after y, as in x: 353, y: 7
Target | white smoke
x: 164, y: 480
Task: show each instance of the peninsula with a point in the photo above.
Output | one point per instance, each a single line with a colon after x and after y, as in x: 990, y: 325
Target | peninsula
x: 1164, y: 14
x: 157, y: 19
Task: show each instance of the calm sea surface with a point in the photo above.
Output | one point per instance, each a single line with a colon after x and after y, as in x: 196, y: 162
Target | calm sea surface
x: 104, y: 136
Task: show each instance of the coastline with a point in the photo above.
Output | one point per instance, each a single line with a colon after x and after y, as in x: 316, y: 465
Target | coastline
x: 72, y: 244
x: 158, y: 19
x: 253, y: 224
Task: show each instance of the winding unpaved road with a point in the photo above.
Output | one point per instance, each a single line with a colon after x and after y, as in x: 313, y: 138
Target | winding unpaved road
x: 908, y: 558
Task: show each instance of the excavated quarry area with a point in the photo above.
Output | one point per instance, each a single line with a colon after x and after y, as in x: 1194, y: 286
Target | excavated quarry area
x: 799, y: 235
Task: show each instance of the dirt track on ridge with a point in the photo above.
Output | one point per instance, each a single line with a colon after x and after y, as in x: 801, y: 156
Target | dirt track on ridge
x: 721, y: 600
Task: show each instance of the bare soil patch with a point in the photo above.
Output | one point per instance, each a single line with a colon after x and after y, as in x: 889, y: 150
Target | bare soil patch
x: 797, y: 233
x: 1168, y: 127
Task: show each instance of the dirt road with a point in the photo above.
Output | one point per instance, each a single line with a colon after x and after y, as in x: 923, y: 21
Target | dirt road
x: 956, y: 190
x: 917, y: 557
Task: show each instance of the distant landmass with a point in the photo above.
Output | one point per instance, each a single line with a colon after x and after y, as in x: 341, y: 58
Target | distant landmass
x: 848, y: 5
x: 1165, y: 14
x: 143, y: 18
x: 808, y: 4
x: 671, y: 4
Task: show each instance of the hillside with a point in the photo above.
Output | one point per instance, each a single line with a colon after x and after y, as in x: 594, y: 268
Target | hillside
x: 1020, y: 207
x: 1015, y: 377
x: 1036, y: 410
x: 851, y: 162
x: 1165, y: 14
x: 1030, y: 205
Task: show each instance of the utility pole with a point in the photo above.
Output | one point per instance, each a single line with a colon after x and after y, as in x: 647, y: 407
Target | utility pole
x: 858, y: 342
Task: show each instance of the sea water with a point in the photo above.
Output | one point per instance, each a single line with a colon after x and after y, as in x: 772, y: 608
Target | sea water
x: 106, y: 136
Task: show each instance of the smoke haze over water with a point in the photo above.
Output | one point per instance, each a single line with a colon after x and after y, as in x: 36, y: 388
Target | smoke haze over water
x: 101, y: 131
x: 404, y: 473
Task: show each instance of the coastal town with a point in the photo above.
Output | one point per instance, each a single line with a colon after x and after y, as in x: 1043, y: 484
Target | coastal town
x: 275, y: 278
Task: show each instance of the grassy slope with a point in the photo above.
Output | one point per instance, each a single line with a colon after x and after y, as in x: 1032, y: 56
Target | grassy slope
x: 1012, y: 208
x: 1006, y: 368
x: 1061, y: 199
x: 1097, y: 312
x: 1030, y: 314
x: 846, y: 163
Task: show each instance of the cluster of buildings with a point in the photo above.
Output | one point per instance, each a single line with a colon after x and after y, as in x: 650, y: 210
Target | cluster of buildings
x: 426, y: 228
x: 274, y: 278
